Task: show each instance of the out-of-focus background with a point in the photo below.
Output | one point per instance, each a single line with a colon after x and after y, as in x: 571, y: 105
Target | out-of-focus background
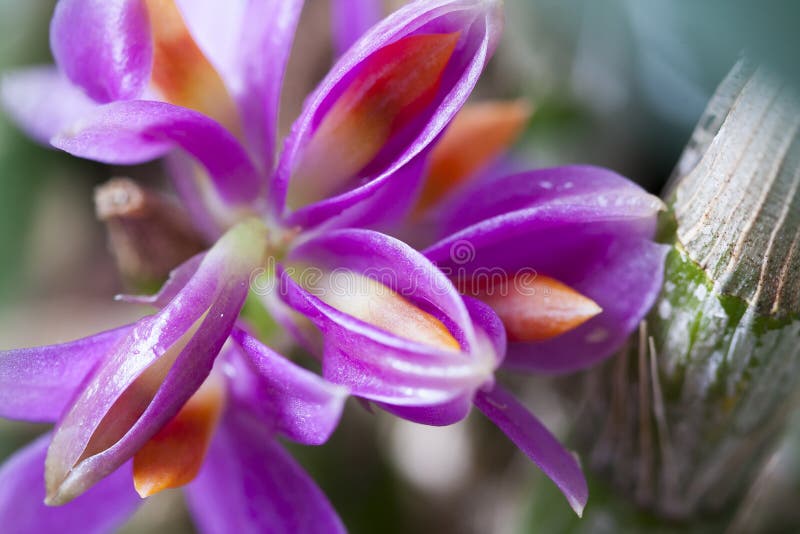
x: 620, y: 83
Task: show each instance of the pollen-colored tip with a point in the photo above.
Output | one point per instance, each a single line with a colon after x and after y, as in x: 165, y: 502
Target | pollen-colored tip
x: 479, y: 134
x: 538, y: 308
x: 173, y: 457
x: 181, y: 72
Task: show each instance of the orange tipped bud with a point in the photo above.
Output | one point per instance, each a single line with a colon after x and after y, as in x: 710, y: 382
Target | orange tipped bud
x: 181, y: 71
x: 173, y: 457
x: 392, y: 87
x: 537, y: 308
x: 479, y: 133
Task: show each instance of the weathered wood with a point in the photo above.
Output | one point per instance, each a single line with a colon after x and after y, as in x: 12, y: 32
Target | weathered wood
x: 683, y: 420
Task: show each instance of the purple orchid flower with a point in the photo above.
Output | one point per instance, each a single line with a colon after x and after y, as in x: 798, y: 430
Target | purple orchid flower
x: 147, y: 393
x: 355, y: 157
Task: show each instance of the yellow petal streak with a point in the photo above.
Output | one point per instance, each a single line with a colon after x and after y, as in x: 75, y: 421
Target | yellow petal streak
x: 392, y: 86
x: 173, y: 457
x: 181, y: 72
x: 480, y: 133
x: 537, y: 308
x: 376, y: 304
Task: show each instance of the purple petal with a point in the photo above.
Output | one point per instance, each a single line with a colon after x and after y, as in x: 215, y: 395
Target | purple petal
x: 193, y: 186
x: 489, y: 325
x: 378, y: 203
x: 125, y: 133
x: 172, y: 353
x: 443, y: 414
x: 235, y: 40
x: 178, y: 278
x: 479, y: 23
x: 42, y: 101
x: 378, y: 366
x: 38, y: 384
x: 625, y: 283
x: 373, y: 362
x: 390, y: 262
x: 537, y: 443
x: 22, y: 510
x: 218, y: 33
x: 269, y: 25
x: 286, y: 397
x: 579, y: 185
x: 352, y: 19
x: 586, y: 227
x: 249, y: 485
x: 103, y: 46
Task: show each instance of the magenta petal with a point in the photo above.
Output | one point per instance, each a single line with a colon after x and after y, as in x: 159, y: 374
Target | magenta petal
x: 378, y: 203
x: 351, y: 19
x: 248, y: 43
x: 218, y: 32
x: 446, y: 413
x: 378, y: 366
x: 489, y: 325
x: 625, y: 283
x: 176, y: 347
x: 372, y: 362
x: 287, y: 398
x: 42, y: 101
x: 38, y: 384
x: 269, y: 25
x: 586, y: 227
x: 250, y: 485
x: 479, y: 23
x: 537, y: 443
x: 608, y: 193
x: 136, y: 131
x: 103, y: 46
x: 22, y: 510
x: 183, y: 171
x: 394, y: 264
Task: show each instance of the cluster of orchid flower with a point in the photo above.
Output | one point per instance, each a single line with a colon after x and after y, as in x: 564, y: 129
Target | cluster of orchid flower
x: 547, y: 270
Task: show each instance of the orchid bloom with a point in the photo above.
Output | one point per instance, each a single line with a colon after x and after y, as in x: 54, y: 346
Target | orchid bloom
x: 166, y: 75
x: 145, y: 406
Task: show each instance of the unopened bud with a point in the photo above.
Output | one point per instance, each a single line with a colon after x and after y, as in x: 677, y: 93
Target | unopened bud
x: 149, y: 233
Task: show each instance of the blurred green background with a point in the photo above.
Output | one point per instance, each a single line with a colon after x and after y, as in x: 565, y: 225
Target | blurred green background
x: 619, y: 83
